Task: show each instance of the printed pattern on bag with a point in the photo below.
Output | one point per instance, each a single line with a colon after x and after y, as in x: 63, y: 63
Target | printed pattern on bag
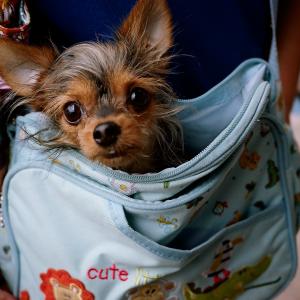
x: 59, y: 285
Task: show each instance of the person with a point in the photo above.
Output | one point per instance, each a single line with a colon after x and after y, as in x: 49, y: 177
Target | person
x: 211, y: 37
x: 289, y: 50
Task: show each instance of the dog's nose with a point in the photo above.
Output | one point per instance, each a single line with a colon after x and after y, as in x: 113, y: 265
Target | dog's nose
x: 106, y: 134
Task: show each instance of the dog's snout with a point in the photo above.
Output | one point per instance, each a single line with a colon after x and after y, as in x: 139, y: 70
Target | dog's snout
x: 106, y: 134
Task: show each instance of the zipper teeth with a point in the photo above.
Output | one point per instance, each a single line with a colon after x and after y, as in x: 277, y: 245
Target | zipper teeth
x: 144, y: 178
x: 186, y: 166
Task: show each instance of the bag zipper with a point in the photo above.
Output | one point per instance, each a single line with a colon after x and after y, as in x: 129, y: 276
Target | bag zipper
x: 166, y: 175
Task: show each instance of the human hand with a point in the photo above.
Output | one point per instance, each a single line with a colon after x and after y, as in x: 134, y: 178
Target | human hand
x: 6, y: 296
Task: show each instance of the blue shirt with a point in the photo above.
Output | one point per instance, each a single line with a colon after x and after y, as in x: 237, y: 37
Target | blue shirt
x: 212, y: 37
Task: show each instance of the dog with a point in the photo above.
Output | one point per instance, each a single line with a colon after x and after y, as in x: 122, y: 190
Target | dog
x: 110, y: 100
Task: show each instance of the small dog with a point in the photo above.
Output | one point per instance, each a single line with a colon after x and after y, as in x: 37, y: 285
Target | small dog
x: 109, y: 100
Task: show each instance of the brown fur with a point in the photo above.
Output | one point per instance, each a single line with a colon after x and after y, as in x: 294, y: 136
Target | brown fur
x: 100, y: 76
x: 23, y: 55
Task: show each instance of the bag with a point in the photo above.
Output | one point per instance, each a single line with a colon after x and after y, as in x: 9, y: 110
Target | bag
x: 220, y: 226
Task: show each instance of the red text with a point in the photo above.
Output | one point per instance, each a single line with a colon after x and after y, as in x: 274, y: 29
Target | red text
x: 110, y: 273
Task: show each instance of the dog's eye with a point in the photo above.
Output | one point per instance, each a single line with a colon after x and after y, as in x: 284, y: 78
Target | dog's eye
x: 73, y: 112
x: 139, y: 99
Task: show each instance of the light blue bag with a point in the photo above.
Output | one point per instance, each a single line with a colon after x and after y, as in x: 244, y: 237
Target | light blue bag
x: 220, y: 226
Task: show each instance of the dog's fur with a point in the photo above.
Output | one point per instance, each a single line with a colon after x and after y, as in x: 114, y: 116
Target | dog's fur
x: 100, y: 78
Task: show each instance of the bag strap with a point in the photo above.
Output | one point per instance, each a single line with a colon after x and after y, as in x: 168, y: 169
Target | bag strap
x: 273, y: 56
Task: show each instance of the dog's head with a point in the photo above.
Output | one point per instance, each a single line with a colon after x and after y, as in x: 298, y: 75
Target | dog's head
x: 109, y: 100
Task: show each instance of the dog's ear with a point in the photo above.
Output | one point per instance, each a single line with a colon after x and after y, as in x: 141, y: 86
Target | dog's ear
x: 22, y: 65
x: 149, y: 23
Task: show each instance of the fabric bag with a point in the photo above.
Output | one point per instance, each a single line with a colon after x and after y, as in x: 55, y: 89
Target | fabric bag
x: 220, y: 226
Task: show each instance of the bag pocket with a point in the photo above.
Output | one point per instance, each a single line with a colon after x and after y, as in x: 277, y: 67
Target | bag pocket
x: 257, y: 253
